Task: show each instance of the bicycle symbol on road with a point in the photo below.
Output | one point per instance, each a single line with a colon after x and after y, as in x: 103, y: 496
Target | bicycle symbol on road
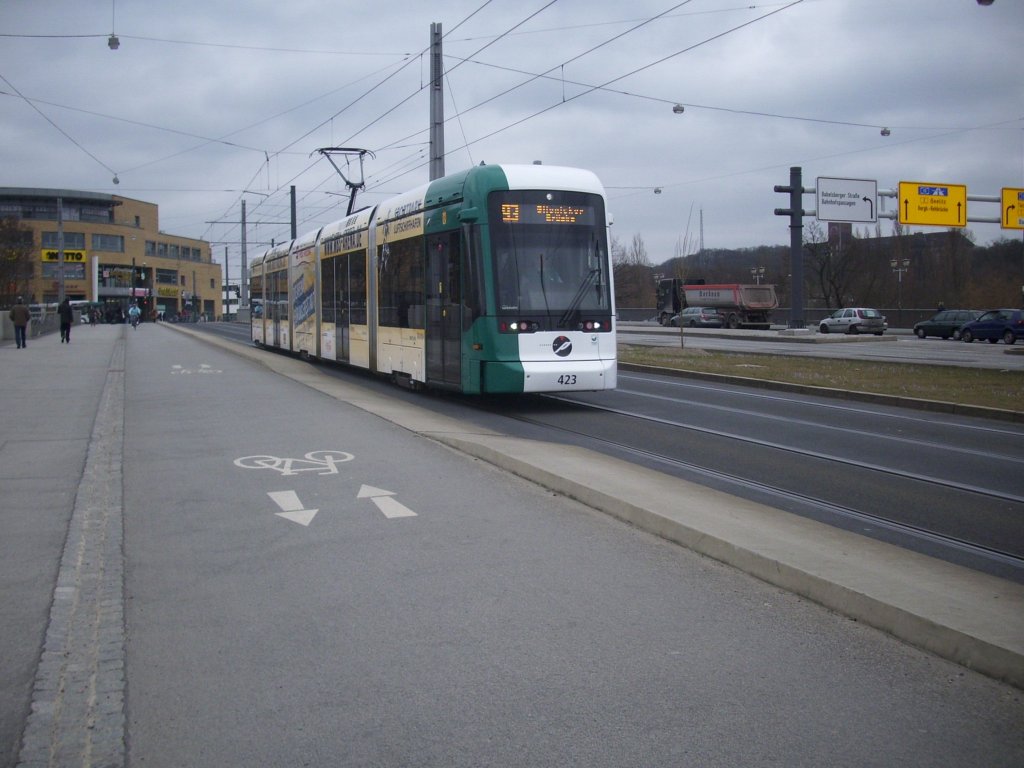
x: 321, y: 462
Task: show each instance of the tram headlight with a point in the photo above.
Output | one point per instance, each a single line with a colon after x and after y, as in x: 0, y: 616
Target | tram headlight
x: 518, y: 326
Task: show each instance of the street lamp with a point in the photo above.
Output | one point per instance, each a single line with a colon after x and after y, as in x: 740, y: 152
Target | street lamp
x: 757, y: 273
x: 899, y: 266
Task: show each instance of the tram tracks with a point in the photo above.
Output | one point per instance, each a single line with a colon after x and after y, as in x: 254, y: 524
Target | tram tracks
x: 759, y: 442
x: 1008, y: 563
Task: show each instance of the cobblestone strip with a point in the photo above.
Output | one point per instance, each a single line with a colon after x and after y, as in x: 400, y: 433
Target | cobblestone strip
x: 77, y: 716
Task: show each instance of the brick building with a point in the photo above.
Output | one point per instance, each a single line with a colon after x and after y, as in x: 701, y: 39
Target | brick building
x: 114, y: 254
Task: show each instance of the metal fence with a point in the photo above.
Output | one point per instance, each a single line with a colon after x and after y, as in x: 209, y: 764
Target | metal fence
x: 897, y: 318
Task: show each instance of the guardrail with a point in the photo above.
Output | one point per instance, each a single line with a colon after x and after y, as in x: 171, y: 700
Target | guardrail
x: 900, y: 318
x: 40, y: 325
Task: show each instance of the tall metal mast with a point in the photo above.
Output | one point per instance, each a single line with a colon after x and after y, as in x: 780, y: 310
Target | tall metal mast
x: 436, y: 104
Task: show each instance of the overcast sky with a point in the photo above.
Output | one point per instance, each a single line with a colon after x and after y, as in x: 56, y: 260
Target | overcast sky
x: 209, y: 101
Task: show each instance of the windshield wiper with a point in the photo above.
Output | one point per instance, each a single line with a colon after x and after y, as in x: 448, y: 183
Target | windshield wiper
x: 578, y: 298
x: 592, y: 278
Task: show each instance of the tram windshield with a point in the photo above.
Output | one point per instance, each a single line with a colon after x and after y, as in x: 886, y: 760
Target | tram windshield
x: 549, y: 253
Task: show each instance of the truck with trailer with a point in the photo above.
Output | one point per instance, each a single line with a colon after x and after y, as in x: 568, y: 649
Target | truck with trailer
x: 743, y: 305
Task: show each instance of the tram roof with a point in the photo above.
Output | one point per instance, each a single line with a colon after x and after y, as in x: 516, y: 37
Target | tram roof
x: 353, y: 222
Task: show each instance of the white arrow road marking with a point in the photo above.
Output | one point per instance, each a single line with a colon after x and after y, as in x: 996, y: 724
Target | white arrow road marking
x: 385, y: 502
x: 289, y: 502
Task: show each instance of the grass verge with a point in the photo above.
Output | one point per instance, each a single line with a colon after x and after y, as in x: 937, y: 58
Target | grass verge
x: 985, y: 387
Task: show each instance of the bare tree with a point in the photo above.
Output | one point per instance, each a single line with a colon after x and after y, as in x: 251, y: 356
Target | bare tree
x: 634, y: 282
x: 828, y: 267
x: 16, y: 264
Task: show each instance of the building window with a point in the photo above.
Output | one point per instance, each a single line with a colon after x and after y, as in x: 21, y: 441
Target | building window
x: 51, y: 271
x: 167, y: 276
x: 71, y: 240
x: 175, y: 254
x: 150, y: 248
x: 93, y: 213
x: 161, y: 250
x: 111, y: 243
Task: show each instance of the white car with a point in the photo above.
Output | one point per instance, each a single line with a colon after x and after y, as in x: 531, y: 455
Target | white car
x: 854, y: 320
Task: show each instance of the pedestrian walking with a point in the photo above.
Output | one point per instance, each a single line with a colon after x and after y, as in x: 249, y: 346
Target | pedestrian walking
x: 20, y: 316
x: 67, y: 317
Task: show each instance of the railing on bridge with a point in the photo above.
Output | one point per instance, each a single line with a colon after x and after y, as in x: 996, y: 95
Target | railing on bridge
x: 897, y: 318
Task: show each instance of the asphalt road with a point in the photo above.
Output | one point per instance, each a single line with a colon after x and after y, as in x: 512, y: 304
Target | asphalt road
x: 947, y: 486
x: 500, y: 625
x: 944, y: 485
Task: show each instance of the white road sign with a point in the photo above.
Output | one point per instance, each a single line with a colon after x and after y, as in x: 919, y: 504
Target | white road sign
x: 847, y: 200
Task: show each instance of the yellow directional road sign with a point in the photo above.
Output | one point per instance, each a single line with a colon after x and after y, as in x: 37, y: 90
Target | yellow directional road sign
x: 930, y: 204
x: 1012, y: 208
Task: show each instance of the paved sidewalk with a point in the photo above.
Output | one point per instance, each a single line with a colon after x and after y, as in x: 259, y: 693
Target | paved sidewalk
x: 61, y: 624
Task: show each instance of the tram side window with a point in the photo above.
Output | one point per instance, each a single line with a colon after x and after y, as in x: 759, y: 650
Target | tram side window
x: 328, y: 295
x: 473, y: 274
x: 401, y: 284
x: 279, y: 288
x: 256, y: 294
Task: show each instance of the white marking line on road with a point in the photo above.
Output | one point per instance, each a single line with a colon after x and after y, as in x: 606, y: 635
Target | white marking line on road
x: 203, y: 368
x: 385, y: 501
x: 292, y: 508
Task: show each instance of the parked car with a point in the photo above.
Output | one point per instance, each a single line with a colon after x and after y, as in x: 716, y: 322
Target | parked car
x: 996, y: 324
x: 699, y: 317
x: 854, y: 320
x: 945, y: 323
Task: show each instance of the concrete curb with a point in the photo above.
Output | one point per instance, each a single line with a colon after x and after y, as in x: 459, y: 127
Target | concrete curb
x: 970, y: 618
x: 973, y: 619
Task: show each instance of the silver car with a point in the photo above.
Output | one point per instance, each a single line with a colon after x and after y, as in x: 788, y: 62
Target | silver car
x: 699, y: 317
x: 854, y: 320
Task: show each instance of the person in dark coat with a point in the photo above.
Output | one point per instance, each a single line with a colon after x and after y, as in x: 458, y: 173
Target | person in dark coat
x: 20, y: 315
x: 67, y: 317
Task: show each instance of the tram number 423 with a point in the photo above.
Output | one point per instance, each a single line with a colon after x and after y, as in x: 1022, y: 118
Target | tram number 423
x: 567, y: 379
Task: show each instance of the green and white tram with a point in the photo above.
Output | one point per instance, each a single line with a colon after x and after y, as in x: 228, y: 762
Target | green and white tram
x: 494, y: 280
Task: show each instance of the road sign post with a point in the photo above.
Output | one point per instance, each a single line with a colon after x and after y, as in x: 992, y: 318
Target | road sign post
x: 795, y: 212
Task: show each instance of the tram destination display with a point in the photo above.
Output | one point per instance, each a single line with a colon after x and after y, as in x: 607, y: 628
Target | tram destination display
x: 546, y: 213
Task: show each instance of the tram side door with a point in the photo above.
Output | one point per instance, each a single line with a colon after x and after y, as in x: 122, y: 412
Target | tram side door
x: 444, y: 309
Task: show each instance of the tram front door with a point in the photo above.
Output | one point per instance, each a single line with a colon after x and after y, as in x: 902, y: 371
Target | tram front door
x: 444, y: 310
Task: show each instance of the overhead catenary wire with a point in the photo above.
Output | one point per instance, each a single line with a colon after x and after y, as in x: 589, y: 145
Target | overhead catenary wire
x: 467, y: 144
x: 619, y: 78
x: 64, y: 133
